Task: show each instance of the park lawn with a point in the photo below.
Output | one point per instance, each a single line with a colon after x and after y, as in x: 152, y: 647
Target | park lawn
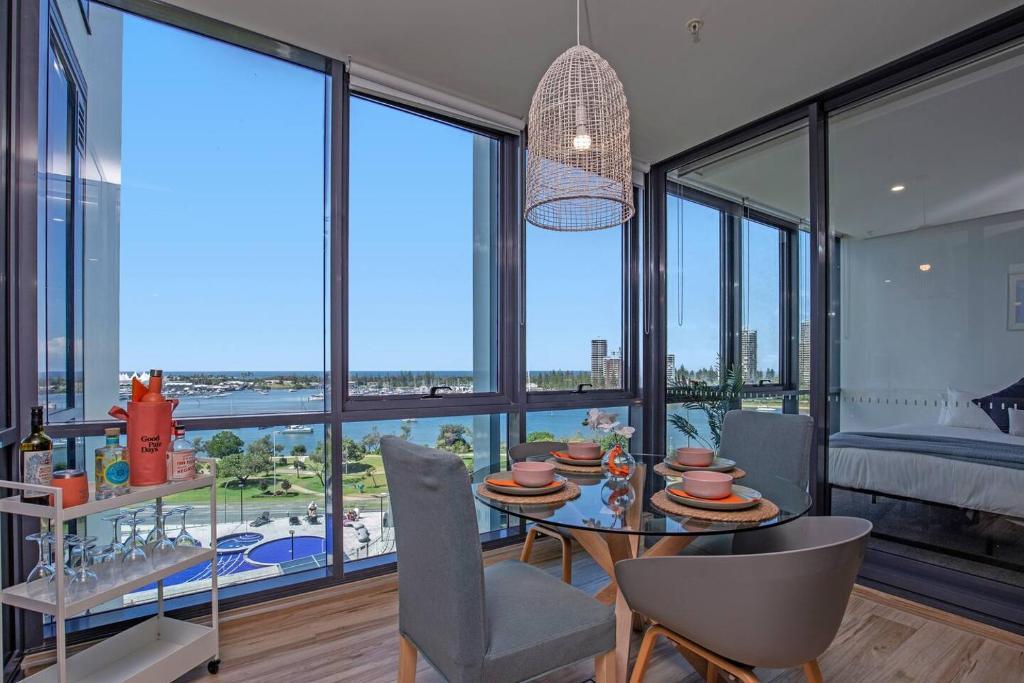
x: 250, y: 493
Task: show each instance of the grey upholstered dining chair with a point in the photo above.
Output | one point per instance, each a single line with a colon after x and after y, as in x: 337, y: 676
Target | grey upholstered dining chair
x: 763, y: 443
x: 769, y: 442
x: 539, y: 450
x: 778, y: 603
x: 510, y: 621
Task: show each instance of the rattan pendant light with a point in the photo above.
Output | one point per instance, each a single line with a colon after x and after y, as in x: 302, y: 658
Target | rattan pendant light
x: 579, y: 169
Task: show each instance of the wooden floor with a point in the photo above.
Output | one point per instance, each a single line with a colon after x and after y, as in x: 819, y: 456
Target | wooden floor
x: 349, y: 634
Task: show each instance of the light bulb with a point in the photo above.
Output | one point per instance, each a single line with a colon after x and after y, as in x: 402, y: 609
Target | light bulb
x: 581, y: 142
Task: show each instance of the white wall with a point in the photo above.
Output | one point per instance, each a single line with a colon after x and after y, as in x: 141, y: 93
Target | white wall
x: 907, y: 334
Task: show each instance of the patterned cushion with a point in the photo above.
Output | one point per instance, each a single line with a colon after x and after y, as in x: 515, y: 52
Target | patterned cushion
x: 996, y: 404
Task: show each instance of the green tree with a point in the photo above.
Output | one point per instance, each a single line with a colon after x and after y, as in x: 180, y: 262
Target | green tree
x: 265, y: 445
x: 244, y: 466
x: 371, y: 472
x: 286, y: 485
x: 199, y: 443
x: 405, y: 431
x: 298, y: 465
x: 540, y: 436
x: 351, y: 451
x: 371, y: 442
x: 451, y: 437
x: 320, y: 460
x: 298, y: 450
x: 223, y: 444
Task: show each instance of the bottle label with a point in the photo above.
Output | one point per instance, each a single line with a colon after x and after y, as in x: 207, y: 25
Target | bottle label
x: 116, y: 473
x: 181, y: 465
x: 38, y: 467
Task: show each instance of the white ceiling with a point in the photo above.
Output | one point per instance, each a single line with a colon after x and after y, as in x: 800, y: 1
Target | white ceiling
x: 755, y: 56
x: 955, y: 142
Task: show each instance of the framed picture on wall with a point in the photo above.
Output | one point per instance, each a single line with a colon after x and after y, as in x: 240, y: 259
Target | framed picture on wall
x: 1015, y: 310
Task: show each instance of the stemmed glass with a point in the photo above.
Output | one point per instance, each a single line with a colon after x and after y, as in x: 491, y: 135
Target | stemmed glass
x: 116, y: 546
x: 43, y: 568
x: 84, y: 580
x: 105, y: 561
x: 135, y: 549
x: 184, y: 539
x: 163, y: 547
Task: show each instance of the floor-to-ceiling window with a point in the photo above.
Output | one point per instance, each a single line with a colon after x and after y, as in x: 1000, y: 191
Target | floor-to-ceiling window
x: 185, y: 229
x: 737, y: 285
x: 926, y: 209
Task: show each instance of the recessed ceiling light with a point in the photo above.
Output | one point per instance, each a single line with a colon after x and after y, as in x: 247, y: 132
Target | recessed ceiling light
x: 925, y: 267
x: 897, y: 188
x: 888, y: 281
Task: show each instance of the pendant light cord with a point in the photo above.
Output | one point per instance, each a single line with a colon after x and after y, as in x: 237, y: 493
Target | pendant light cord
x: 577, y: 23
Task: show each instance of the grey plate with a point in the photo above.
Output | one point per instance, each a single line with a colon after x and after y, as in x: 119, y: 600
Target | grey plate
x: 523, y: 490
x: 717, y: 465
x: 753, y: 497
x: 575, y: 462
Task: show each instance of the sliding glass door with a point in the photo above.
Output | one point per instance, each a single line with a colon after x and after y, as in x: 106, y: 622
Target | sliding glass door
x: 926, y: 203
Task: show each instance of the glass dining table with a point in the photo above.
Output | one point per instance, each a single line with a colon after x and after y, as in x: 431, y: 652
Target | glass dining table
x: 614, y: 521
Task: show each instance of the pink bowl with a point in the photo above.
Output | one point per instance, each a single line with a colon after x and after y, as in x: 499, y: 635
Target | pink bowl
x: 711, y: 485
x: 585, y: 450
x: 533, y: 474
x: 695, y: 457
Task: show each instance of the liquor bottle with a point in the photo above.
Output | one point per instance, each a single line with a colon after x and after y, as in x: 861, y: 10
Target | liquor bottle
x: 156, y: 380
x: 36, y: 459
x: 112, y: 467
x: 181, y: 457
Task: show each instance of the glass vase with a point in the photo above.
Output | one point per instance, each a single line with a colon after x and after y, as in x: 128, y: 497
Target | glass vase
x: 617, y: 464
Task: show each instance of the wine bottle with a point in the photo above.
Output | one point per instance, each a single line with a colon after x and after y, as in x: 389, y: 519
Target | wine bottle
x: 156, y: 380
x: 36, y: 459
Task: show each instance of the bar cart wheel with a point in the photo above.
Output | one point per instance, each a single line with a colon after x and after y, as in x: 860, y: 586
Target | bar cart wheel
x: 213, y: 666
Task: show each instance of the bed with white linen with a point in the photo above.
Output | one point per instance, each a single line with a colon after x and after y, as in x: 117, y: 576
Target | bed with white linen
x: 962, y: 483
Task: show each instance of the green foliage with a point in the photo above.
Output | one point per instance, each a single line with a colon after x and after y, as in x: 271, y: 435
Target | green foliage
x: 319, y: 460
x: 286, y: 485
x: 282, y: 462
x: 223, y: 444
x: 713, y: 401
x: 405, y: 431
x: 298, y: 450
x: 265, y: 446
x: 451, y: 437
x: 371, y: 442
x: 352, y: 450
x: 244, y: 466
x: 540, y: 436
x: 560, y: 379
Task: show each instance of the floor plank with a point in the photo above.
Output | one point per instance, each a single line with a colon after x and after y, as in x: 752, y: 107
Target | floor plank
x: 348, y: 634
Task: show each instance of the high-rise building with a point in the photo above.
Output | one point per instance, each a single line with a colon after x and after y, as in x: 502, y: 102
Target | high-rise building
x: 598, y: 352
x: 613, y: 371
x: 670, y: 369
x: 805, y: 354
x: 748, y: 355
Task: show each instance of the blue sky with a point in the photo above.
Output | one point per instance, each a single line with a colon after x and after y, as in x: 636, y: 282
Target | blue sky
x: 222, y: 230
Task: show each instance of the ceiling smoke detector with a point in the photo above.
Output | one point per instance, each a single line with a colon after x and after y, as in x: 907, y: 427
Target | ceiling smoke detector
x: 694, y: 26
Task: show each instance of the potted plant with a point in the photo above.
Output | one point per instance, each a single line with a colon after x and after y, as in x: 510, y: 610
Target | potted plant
x: 711, y: 401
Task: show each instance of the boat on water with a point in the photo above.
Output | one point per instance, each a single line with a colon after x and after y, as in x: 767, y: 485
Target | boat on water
x: 410, y: 420
x: 292, y: 389
x: 297, y: 429
x: 317, y: 397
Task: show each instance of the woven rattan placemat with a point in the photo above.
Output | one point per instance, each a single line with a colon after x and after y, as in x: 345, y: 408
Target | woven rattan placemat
x: 666, y: 471
x: 574, y: 469
x: 762, y: 511
x: 570, y: 491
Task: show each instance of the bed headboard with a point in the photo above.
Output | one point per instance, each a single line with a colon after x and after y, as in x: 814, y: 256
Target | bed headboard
x: 996, y: 404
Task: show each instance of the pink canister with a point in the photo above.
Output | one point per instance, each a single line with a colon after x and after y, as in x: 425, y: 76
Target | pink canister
x: 149, y: 437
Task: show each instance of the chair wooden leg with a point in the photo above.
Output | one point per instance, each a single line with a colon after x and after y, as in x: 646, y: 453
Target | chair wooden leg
x: 406, y: 661
x: 711, y: 674
x: 604, y: 667
x: 567, y: 560
x: 528, y: 544
x: 813, y: 672
x: 644, y: 656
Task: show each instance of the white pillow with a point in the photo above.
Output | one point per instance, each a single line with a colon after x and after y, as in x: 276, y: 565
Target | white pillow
x: 960, y: 411
x: 1016, y: 421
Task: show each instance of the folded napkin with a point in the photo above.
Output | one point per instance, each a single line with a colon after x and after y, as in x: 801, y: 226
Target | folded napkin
x: 731, y: 499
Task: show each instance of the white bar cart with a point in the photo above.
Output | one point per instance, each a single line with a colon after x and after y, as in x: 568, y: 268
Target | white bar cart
x: 159, y: 649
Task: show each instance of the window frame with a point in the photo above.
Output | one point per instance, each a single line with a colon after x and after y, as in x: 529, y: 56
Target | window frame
x: 505, y: 184
x: 632, y: 319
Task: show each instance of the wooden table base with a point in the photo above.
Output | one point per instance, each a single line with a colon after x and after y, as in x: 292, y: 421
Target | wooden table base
x: 607, y: 548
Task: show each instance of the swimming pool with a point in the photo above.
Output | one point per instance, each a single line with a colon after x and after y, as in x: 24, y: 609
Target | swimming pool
x: 280, y: 549
x: 240, y: 541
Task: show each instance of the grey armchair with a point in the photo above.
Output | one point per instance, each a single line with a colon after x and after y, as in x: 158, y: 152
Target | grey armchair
x: 508, y: 622
x: 777, y: 604
x: 537, y: 450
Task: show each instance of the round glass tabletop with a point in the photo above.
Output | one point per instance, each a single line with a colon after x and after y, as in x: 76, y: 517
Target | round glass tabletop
x: 604, y: 506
